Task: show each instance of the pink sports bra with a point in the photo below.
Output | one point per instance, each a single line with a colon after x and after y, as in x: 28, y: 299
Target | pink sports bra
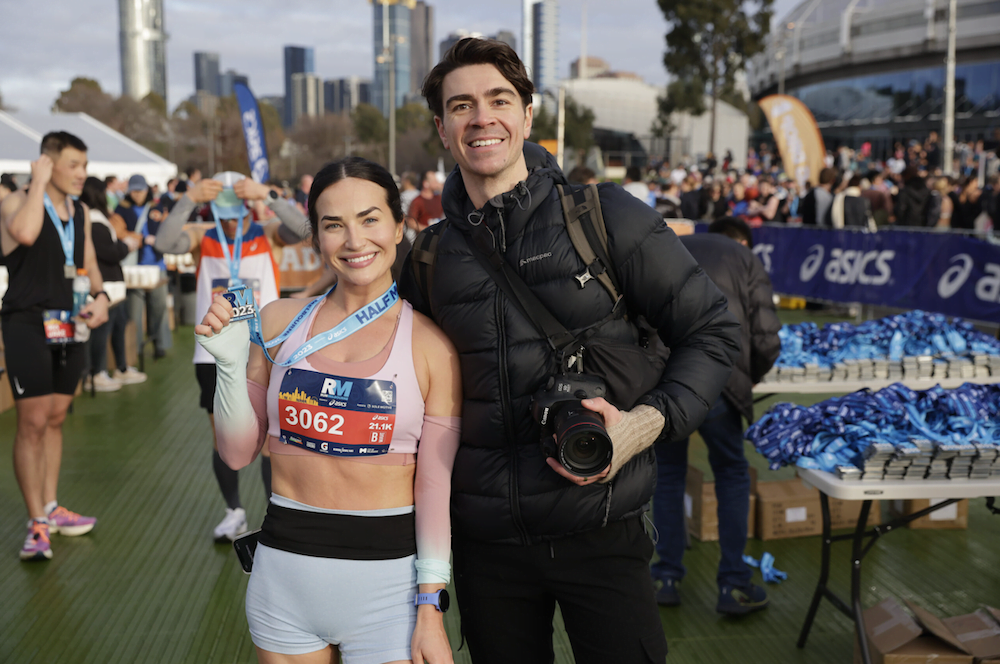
x: 393, y: 365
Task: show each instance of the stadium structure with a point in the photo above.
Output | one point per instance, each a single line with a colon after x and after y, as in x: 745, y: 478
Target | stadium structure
x: 874, y: 70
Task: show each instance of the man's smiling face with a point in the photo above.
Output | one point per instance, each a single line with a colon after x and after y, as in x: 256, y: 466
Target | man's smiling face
x: 484, y: 124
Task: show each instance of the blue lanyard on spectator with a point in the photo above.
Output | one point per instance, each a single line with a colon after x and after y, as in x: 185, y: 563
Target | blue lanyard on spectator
x: 67, y: 234
x: 237, y: 255
x: 353, y: 323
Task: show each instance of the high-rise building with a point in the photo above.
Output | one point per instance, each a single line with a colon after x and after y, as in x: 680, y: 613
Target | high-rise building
x: 142, y: 44
x: 398, y: 16
x: 454, y: 38
x: 206, y: 73
x: 421, y: 45
x: 507, y: 37
x: 342, y: 95
x: 229, y: 79
x: 298, y: 60
x: 307, y: 96
x: 545, y: 50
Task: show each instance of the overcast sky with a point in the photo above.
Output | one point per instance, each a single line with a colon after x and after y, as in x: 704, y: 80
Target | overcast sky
x: 46, y: 43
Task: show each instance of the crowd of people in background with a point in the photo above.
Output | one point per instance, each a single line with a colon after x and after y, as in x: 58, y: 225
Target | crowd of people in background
x: 907, y: 189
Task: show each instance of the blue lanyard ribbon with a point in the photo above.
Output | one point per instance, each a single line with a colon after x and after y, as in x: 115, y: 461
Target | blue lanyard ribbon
x: 353, y: 323
x: 237, y: 255
x: 67, y: 234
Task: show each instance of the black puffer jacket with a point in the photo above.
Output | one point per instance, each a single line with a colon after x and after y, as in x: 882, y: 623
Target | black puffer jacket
x: 744, y: 281
x: 502, y: 489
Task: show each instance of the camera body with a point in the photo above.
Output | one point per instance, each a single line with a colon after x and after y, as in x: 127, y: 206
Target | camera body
x: 572, y: 434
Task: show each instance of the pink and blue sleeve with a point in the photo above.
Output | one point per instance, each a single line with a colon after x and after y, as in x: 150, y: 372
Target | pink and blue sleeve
x: 432, y: 497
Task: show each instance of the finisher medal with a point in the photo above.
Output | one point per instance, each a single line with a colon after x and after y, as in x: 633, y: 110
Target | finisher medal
x: 241, y: 299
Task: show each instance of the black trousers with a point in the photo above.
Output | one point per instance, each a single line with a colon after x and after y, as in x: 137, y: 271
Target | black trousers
x: 507, y: 596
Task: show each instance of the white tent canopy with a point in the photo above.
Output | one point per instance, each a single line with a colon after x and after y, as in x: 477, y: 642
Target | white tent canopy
x: 108, y: 152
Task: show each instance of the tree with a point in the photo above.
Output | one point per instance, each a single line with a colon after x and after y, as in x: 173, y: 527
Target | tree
x: 708, y: 42
x: 578, y: 127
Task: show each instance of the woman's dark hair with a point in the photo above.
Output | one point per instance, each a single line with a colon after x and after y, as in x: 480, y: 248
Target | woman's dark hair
x: 475, y: 51
x: 95, y: 195
x: 351, y: 167
x: 7, y: 180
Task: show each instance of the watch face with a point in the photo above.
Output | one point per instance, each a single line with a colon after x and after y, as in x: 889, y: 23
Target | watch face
x: 444, y: 601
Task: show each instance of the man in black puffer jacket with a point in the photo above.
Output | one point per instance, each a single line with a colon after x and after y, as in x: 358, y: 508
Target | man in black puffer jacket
x: 527, y: 533
x: 725, y: 255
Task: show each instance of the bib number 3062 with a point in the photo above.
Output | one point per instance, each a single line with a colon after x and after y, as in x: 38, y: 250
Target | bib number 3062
x: 319, y: 422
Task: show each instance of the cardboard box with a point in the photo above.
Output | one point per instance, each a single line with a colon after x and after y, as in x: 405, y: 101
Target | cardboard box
x: 952, y: 517
x: 845, y: 513
x: 701, y: 506
x: 787, y: 509
x: 896, y: 638
x: 976, y: 634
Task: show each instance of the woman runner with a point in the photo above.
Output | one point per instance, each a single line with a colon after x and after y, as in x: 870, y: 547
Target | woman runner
x: 358, y: 528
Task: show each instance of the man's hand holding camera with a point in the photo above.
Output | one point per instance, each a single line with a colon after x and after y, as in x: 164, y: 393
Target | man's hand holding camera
x: 630, y: 432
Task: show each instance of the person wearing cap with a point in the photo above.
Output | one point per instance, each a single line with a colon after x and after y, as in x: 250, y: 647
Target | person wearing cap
x: 236, y: 250
x: 142, y: 218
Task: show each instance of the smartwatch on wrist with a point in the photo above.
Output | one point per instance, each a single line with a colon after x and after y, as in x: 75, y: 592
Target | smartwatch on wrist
x: 440, y: 600
x: 104, y: 293
x: 272, y: 196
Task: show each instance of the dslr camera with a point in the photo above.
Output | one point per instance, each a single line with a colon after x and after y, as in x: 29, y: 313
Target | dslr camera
x: 581, y: 443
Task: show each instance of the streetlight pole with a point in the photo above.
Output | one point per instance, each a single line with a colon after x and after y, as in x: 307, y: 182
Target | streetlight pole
x: 561, y: 127
x: 948, y: 155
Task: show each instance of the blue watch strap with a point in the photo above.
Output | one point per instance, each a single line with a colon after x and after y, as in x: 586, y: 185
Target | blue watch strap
x: 433, y: 599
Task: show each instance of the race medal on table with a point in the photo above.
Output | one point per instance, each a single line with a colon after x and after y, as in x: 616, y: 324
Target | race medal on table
x: 335, y: 415
x: 243, y: 303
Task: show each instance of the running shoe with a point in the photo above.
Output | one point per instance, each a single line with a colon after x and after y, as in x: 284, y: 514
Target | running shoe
x: 105, y: 383
x: 739, y: 600
x: 130, y: 376
x: 231, y: 527
x: 36, y: 544
x: 68, y: 523
x: 667, y: 595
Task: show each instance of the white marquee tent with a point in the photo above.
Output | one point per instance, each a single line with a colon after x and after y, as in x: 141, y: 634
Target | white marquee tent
x: 108, y: 152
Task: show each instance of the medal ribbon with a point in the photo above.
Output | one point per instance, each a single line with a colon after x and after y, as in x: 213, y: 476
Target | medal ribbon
x: 67, y: 235
x: 237, y: 255
x: 353, y: 323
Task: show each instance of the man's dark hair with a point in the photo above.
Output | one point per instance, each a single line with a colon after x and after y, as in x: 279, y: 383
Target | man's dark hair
x: 732, y: 227
x: 410, y: 177
x: 633, y: 173
x: 855, y: 181
x: 55, y: 142
x: 351, y: 167
x: 475, y: 51
x: 827, y: 176
x: 581, y: 175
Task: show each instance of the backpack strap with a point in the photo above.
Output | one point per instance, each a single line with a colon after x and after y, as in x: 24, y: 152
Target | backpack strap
x: 422, y: 256
x: 589, y: 235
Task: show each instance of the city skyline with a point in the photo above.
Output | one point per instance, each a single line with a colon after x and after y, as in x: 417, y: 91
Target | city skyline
x: 628, y: 35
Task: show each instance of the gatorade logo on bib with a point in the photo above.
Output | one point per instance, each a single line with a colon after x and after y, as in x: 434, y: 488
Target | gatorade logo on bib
x: 335, y: 415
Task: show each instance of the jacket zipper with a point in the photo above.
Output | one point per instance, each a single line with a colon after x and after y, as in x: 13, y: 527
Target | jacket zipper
x: 506, y: 408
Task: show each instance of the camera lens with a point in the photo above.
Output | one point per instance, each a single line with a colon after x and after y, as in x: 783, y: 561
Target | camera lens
x: 584, y: 447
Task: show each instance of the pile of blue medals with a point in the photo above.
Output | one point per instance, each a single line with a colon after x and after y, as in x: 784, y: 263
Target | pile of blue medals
x: 915, y: 333
x: 895, y: 433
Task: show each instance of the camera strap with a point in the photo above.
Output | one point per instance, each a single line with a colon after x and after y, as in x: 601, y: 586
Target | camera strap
x: 483, y: 246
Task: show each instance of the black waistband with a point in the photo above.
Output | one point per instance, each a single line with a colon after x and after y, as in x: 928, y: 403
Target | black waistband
x: 344, y: 536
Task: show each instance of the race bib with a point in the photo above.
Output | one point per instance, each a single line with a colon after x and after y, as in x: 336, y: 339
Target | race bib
x: 335, y: 415
x: 59, y: 327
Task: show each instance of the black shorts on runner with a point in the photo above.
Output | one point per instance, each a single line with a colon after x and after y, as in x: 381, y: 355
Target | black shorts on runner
x: 34, y: 367
x: 207, y: 374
